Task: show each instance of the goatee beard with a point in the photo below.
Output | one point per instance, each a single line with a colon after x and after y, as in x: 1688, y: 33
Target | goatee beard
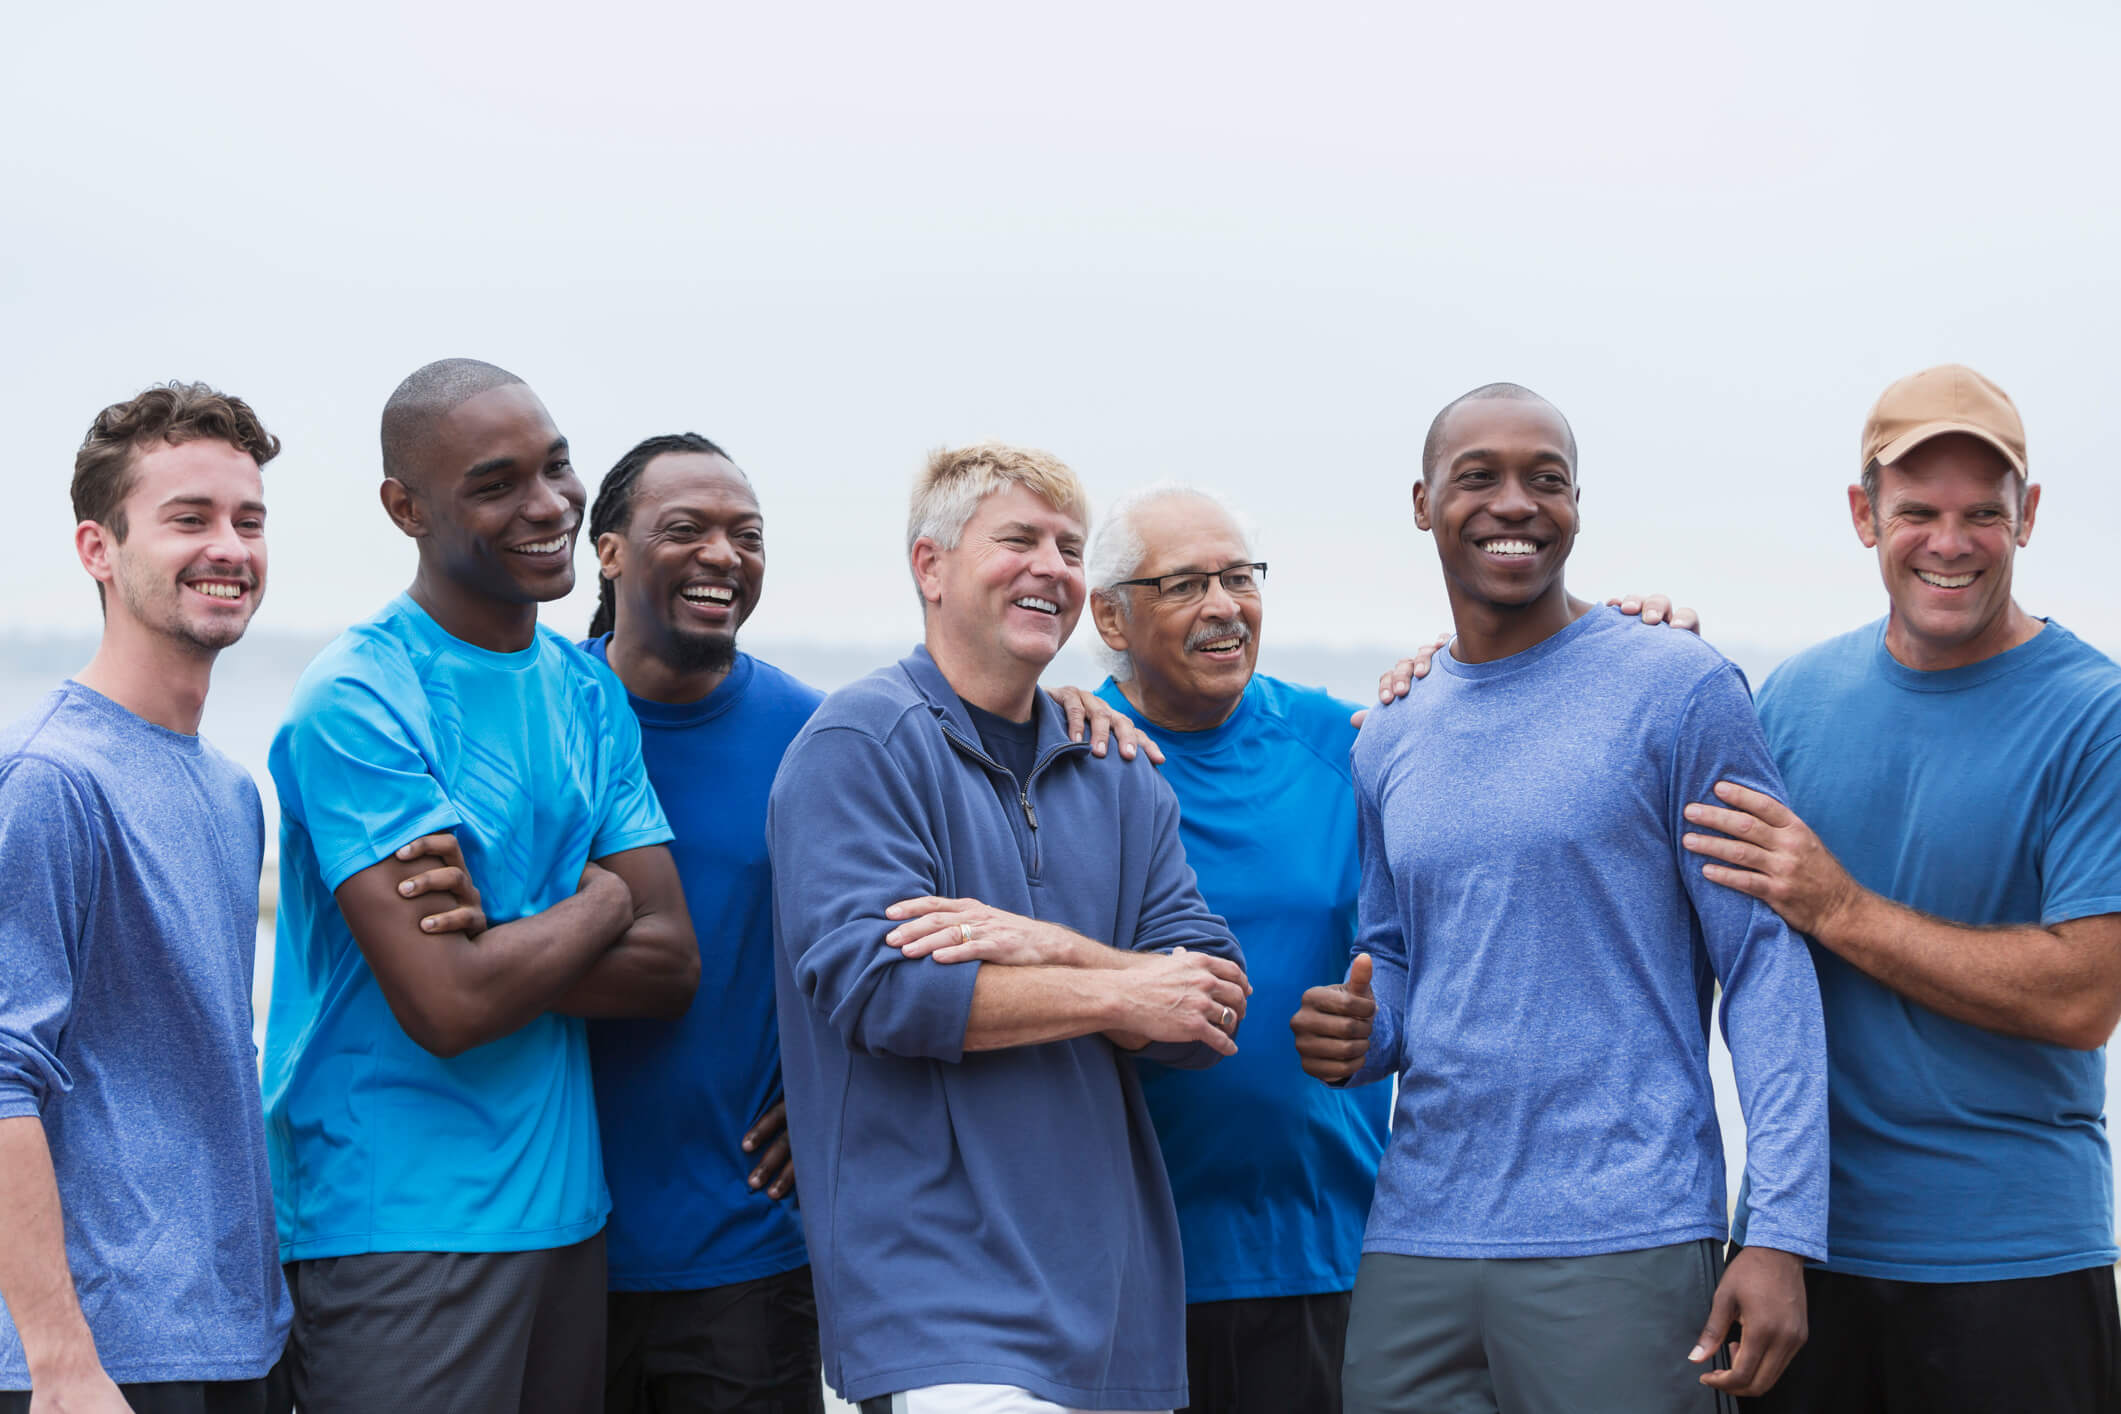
x: 705, y: 655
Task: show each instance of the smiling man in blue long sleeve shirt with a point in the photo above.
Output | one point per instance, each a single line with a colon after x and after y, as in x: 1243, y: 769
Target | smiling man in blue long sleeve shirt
x: 1542, y: 955
x: 982, y: 930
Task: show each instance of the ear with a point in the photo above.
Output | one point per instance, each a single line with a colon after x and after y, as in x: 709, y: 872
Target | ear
x: 928, y: 569
x: 2025, y: 518
x: 611, y: 554
x: 1110, y: 616
x: 403, y: 508
x: 1421, y: 504
x: 93, y: 542
x: 1861, y: 514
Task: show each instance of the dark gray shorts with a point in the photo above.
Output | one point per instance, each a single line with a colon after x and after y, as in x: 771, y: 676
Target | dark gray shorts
x: 448, y: 1332
x: 1541, y: 1335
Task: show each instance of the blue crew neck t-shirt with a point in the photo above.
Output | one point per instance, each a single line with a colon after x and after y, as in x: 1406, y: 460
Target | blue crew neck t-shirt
x: 1985, y: 795
x: 1267, y: 815
x: 1546, y: 953
x: 128, y: 925
x: 674, y: 1098
x: 533, y: 761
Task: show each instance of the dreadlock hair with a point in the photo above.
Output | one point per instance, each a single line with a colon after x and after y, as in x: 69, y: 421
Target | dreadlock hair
x: 613, y: 509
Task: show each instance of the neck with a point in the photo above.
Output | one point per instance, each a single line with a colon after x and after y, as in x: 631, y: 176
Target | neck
x: 1180, y: 714
x: 151, y: 676
x: 1488, y: 631
x: 2006, y: 631
x: 655, y: 679
x: 1006, y: 689
x: 497, y: 625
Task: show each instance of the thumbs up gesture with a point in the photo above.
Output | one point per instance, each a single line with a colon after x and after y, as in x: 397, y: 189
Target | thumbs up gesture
x: 1333, y: 1026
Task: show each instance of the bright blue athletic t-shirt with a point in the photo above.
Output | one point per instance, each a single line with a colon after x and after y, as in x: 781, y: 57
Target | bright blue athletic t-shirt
x: 532, y: 759
x: 1271, y: 1170
x: 674, y: 1098
x: 1988, y: 794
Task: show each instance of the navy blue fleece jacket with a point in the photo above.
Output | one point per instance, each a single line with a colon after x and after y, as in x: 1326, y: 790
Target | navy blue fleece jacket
x: 1001, y: 1217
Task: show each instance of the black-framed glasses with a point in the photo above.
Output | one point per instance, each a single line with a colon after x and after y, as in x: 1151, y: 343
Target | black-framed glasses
x: 1238, y: 581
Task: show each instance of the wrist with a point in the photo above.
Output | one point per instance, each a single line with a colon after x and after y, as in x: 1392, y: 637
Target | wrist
x: 1843, y: 918
x: 62, y: 1355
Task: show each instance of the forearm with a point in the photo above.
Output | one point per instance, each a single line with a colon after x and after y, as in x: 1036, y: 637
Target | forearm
x: 35, y: 1282
x: 511, y: 974
x: 651, y: 971
x: 1027, y: 1006
x: 2019, y: 981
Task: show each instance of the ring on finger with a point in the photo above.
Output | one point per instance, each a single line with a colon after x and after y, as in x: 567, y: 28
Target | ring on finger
x: 964, y: 932
x: 1228, y: 1017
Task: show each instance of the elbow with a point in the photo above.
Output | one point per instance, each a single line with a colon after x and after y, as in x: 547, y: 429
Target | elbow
x: 444, y: 1030
x: 674, y: 997
x: 2088, y: 1029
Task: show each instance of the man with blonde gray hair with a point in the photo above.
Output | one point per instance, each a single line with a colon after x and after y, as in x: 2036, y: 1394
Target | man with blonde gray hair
x: 983, y: 929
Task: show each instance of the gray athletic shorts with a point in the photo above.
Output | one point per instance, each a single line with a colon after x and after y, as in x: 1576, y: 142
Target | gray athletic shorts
x: 448, y: 1332
x: 1541, y: 1335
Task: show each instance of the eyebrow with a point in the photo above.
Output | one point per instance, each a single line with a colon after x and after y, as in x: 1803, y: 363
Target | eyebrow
x: 208, y: 501
x: 494, y: 464
x: 1544, y: 455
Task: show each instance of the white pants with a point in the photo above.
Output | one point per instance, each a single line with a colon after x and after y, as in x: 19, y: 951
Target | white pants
x: 984, y: 1399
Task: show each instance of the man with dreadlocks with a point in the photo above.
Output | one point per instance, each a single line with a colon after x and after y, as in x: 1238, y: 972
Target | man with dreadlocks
x: 710, y: 1305
x: 432, y: 1126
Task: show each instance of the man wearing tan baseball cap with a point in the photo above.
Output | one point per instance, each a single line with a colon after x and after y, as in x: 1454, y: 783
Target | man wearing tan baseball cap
x: 1953, y: 850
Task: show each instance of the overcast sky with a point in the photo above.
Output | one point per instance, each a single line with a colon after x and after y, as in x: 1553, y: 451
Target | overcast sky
x: 1254, y: 247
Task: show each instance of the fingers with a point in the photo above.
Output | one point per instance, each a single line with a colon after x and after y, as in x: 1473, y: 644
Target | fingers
x: 442, y: 846
x: 771, y: 1162
x: 1714, y: 817
x: 449, y: 880
x: 1683, y: 617
x: 768, y: 1124
x: 915, y: 907
x: 1225, y: 969
x: 1358, y: 717
x: 1150, y: 749
x: 1656, y: 609
x: 1733, y: 852
x: 1721, y: 1311
x: 465, y: 919
x: 926, y: 926
x: 1358, y: 983
x: 1101, y: 733
x: 1753, y: 802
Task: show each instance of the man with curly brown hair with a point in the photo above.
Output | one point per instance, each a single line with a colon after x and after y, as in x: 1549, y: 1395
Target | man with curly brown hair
x: 139, y: 1267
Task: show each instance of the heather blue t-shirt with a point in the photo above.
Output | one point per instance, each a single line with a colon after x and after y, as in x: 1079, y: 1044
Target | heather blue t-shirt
x: 674, y: 1098
x: 128, y: 924
x: 532, y: 759
x: 1985, y: 795
x: 1546, y: 953
x: 1267, y: 815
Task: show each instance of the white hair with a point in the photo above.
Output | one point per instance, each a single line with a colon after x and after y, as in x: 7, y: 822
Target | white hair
x: 1116, y: 554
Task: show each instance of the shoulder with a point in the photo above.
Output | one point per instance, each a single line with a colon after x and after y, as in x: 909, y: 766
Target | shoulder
x: 1669, y: 652
x: 784, y: 691
x: 1835, y: 659
x: 60, y: 752
x: 1312, y: 713
x: 877, y: 705
x: 2083, y: 675
x: 367, y: 663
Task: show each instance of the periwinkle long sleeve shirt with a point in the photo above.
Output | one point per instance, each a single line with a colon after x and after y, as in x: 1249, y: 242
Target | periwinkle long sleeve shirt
x: 1545, y: 955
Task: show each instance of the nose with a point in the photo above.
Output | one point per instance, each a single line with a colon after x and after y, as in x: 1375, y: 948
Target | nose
x: 718, y: 551
x: 1512, y: 501
x: 1047, y: 560
x: 545, y: 501
x: 228, y: 549
x: 1951, y: 538
x: 1220, y: 603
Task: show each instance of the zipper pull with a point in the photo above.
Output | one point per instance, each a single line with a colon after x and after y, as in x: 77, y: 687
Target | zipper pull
x: 1030, y: 815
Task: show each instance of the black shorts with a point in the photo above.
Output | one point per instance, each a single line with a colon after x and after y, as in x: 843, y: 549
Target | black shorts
x: 746, y: 1348
x: 2046, y: 1344
x: 1265, y: 1354
x: 180, y: 1397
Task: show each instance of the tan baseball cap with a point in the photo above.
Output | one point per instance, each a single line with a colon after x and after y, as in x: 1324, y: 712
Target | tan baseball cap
x: 1948, y: 398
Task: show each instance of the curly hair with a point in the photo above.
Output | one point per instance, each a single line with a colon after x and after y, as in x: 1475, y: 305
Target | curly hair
x: 170, y: 412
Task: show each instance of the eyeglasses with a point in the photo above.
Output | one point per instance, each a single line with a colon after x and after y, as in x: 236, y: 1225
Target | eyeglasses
x: 1238, y: 581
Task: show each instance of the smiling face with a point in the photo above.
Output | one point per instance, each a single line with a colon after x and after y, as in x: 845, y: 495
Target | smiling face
x: 1007, y: 595
x: 1191, y: 661
x: 497, y: 503
x: 1502, y: 501
x: 191, y: 567
x: 1947, y: 524
x: 691, y: 562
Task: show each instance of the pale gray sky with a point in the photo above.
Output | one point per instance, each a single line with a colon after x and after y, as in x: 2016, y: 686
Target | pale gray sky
x: 1246, y: 245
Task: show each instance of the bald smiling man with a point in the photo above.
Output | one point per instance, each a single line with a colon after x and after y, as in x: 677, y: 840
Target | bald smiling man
x: 440, y: 1191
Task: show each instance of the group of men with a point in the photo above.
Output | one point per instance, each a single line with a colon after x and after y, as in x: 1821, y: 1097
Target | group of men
x: 587, y: 952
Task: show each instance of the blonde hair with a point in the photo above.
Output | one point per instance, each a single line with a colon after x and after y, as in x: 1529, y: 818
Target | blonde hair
x: 956, y: 479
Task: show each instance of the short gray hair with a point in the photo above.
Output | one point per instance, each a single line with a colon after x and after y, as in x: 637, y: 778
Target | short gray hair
x: 955, y: 480
x: 1116, y: 554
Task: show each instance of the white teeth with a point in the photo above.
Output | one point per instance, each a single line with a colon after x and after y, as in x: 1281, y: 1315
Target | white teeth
x: 708, y: 594
x: 1219, y: 645
x: 1044, y: 606
x: 1509, y: 547
x: 220, y: 591
x: 543, y: 547
x: 1945, y: 581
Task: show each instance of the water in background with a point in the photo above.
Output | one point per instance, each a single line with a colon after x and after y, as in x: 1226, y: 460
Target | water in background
x: 253, y: 680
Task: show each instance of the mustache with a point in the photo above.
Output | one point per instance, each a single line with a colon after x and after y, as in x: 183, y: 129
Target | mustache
x: 1219, y: 628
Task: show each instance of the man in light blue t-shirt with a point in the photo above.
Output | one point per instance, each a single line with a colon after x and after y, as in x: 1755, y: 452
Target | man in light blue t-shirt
x: 137, y: 1270
x: 1537, y: 971
x: 1952, y: 846
x: 436, y: 1168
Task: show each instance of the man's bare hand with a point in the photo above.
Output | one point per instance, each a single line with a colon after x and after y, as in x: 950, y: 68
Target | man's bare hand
x: 1763, y: 1291
x: 964, y: 929
x: 1086, y: 710
x: 87, y: 1391
x: 776, y: 1166
x: 1333, y: 1025
x: 1772, y: 855
x: 1658, y: 609
x: 447, y: 882
x: 1398, y: 680
x: 1183, y: 996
